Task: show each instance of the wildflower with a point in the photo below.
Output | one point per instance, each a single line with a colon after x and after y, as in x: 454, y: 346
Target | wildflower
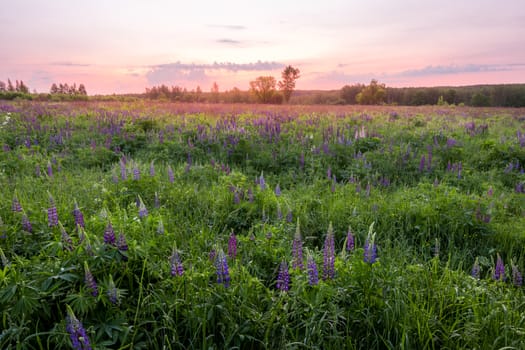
x: 67, y: 242
x: 283, y: 278
x: 279, y: 212
x: 123, y: 174
x: 370, y: 248
x: 350, y: 241
x: 160, y: 227
x: 499, y: 270
x: 422, y: 163
x: 136, y: 172
x: 475, y: 272
x: 176, y: 265
x: 77, y: 332
x: 262, y: 182
x: 171, y: 176
x: 297, y: 249
x: 232, y: 246
x: 277, y: 190
x: 151, y: 169
x: 112, y: 292
x: 3, y: 258
x: 329, y: 254
x: 157, y: 200
x: 517, y: 278
x: 49, y: 169
x: 15, y: 205
x: 122, y: 244
x: 212, y: 255
x: 313, y: 275
x: 90, y: 280
x: 143, y: 211
x: 109, y: 235
x: 52, y: 214
x: 79, y: 217
x: 223, y: 274
x: 26, y: 224
x: 289, y: 215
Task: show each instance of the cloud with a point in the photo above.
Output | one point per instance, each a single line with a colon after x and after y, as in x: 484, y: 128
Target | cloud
x: 193, y: 72
x: 70, y: 64
x: 458, y: 69
x: 229, y: 42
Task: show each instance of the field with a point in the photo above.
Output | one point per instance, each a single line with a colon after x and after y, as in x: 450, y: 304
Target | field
x: 189, y: 226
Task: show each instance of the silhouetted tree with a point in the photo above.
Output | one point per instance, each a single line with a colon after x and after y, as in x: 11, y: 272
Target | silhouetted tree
x: 349, y: 93
x: 263, y: 88
x: 289, y: 75
x: 10, y: 86
x: 371, y: 94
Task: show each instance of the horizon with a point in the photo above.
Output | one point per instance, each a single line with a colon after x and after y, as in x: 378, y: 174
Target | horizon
x: 402, y: 44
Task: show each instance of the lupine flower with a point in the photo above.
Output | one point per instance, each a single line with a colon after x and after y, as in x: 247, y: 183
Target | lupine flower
x: 283, y: 278
x: 90, y: 280
x: 52, y: 214
x: 212, y: 255
x: 160, y: 227
x: 157, y: 200
x: 77, y: 332
x: 475, y: 272
x: 277, y: 190
x: 223, y: 274
x: 329, y: 254
x: 262, y: 182
x: 517, y: 278
x: 112, y: 292
x: 422, y: 163
x: 176, y: 265
x: 143, y: 211
x: 136, y: 172
x: 15, y: 205
x: 313, y: 274
x: 297, y: 249
x: 499, y: 270
x: 79, y: 217
x: 232, y: 246
x: 289, y: 215
x: 171, y: 176
x: 109, y: 235
x: 122, y: 244
x: 370, y: 248
x: 37, y: 170
x: 350, y: 241
x: 151, y: 169
x: 329, y: 173
x: 123, y: 173
x: 67, y: 242
x: 26, y: 224
x: 279, y: 212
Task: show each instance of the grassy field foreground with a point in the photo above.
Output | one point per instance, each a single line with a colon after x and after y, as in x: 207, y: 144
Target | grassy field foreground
x: 170, y: 226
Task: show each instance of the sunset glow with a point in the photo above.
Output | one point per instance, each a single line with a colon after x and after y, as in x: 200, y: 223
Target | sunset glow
x: 126, y: 46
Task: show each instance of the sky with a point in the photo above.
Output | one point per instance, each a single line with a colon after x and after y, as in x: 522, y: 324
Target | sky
x: 124, y: 46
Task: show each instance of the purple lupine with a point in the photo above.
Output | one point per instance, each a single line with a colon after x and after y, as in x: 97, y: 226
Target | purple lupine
x: 329, y: 173
x: 313, y: 274
x: 122, y: 244
x: 157, y: 200
x: 171, y: 176
x: 109, y: 235
x: 175, y: 264
x: 136, y: 172
x: 289, y: 215
x: 517, y: 278
x: 297, y: 249
x: 90, y: 280
x: 26, y: 224
x: 15, y: 205
x: 123, y: 173
x: 143, y: 211
x: 262, y: 182
x: 223, y: 274
x: 499, y: 270
x: 329, y: 255
x: 52, y: 214
x: 422, y: 163
x: 67, y: 242
x: 160, y: 227
x: 112, y: 292
x: 283, y: 278
x: 151, y: 169
x: 350, y: 241
x: 77, y: 332
x: 429, y: 160
x: 277, y: 190
x: 79, y: 217
x: 37, y: 170
x: 476, y: 269
x: 232, y: 246
x: 370, y: 248
x: 212, y: 255
x: 279, y: 212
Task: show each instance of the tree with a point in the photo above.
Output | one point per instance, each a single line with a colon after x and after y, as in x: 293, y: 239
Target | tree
x: 82, y: 90
x: 2, y: 86
x: 54, y: 89
x: 349, y: 93
x: 371, y: 94
x: 214, y: 93
x: 263, y: 88
x: 287, y: 85
x: 10, y: 86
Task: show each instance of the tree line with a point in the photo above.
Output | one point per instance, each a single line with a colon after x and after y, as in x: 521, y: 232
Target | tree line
x: 61, y: 91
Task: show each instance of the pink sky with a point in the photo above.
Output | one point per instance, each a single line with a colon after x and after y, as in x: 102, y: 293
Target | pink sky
x: 124, y: 46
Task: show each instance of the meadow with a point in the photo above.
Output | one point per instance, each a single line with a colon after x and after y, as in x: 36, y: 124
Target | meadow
x: 140, y: 225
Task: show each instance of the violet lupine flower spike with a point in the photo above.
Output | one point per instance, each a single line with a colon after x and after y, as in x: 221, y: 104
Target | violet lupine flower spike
x: 283, y: 278
x: 143, y: 211
x: 77, y: 332
x: 79, y: 217
x: 499, y: 270
x: 26, y: 224
x: 297, y: 249
x: 67, y: 242
x: 91, y: 284
x: 475, y: 272
x: 112, y: 292
x: 15, y: 206
x: 313, y: 274
x: 232, y: 246
x: 350, y: 240
x: 329, y: 254
x: 176, y: 264
x: 223, y: 274
x: 370, y: 248
x: 109, y: 234
x: 52, y: 214
x: 171, y: 176
x: 517, y: 278
x: 122, y: 244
